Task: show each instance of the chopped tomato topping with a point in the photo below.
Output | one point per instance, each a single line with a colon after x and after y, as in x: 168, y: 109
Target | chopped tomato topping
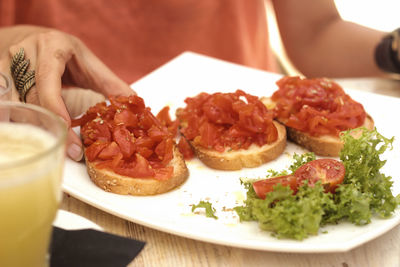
x: 124, y: 139
x: 147, y: 119
x: 127, y: 138
x: 164, y: 117
x: 164, y: 173
x: 94, y: 130
x: 126, y: 118
x: 110, y: 151
x: 208, y: 135
x: 227, y: 121
x: 111, y: 163
x: 316, y: 106
x: 185, y: 148
x: 145, y: 141
x: 138, y: 168
x: 156, y: 134
x: 164, y: 150
x: 83, y: 120
x: 94, y: 149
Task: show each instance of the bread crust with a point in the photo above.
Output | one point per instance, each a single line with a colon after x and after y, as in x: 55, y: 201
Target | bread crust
x: 243, y: 158
x: 326, y: 145
x: 112, y: 182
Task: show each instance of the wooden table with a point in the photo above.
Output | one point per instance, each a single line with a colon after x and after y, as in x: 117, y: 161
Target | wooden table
x: 163, y: 249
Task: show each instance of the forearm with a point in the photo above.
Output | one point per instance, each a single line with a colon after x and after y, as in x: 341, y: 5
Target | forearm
x: 342, y: 49
x: 320, y: 43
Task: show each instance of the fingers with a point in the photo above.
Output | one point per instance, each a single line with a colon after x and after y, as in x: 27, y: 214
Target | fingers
x: 48, y: 54
x: 90, y: 72
x: 74, y: 145
x: 50, y: 67
x: 57, y: 57
x: 52, y: 56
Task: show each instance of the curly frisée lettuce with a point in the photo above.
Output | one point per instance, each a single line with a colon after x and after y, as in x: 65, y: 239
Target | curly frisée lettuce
x: 365, y: 192
x: 210, y: 211
x: 287, y: 215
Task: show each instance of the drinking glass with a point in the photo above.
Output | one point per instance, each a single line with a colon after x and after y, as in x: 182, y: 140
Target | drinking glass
x: 32, y: 154
x: 5, y: 87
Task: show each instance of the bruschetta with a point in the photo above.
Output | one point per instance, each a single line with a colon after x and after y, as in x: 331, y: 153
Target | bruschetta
x: 128, y: 150
x: 315, y: 112
x: 231, y: 131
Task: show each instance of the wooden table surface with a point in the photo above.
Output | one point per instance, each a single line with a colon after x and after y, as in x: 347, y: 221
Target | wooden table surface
x: 163, y: 249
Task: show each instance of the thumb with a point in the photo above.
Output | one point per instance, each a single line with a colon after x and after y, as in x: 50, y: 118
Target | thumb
x: 74, y: 146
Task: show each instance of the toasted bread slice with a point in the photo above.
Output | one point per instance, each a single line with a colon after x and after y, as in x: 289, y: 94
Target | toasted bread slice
x: 124, y: 185
x: 326, y: 145
x: 243, y: 158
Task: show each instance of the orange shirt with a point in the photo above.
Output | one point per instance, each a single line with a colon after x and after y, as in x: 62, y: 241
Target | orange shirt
x: 135, y: 37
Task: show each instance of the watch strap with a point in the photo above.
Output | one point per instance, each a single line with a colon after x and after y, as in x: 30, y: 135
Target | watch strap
x: 387, y: 52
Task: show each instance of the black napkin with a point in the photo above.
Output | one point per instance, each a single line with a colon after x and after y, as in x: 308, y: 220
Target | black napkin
x: 88, y: 247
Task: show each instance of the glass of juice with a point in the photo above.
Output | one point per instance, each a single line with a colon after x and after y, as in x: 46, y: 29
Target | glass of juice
x: 5, y: 87
x: 32, y: 154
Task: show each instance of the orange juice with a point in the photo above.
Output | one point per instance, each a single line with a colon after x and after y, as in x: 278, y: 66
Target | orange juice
x: 30, y: 180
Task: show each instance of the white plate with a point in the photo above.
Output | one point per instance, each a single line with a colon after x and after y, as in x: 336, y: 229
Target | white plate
x: 186, y: 76
x: 71, y: 221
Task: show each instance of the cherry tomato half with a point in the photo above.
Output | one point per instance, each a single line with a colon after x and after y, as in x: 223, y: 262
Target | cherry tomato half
x: 330, y: 171
x: 265, y: 186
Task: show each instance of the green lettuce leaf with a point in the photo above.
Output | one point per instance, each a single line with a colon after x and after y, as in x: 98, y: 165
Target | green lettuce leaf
x: 364, y: 193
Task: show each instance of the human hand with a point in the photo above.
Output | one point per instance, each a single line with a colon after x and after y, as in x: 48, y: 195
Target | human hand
x: 61, y: 59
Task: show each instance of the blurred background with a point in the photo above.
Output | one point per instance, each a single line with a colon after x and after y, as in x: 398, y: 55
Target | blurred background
x: 382, y: 15
x: 377, y: 14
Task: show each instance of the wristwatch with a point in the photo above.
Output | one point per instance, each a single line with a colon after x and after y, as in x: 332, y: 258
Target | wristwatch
x: 387, y: 52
